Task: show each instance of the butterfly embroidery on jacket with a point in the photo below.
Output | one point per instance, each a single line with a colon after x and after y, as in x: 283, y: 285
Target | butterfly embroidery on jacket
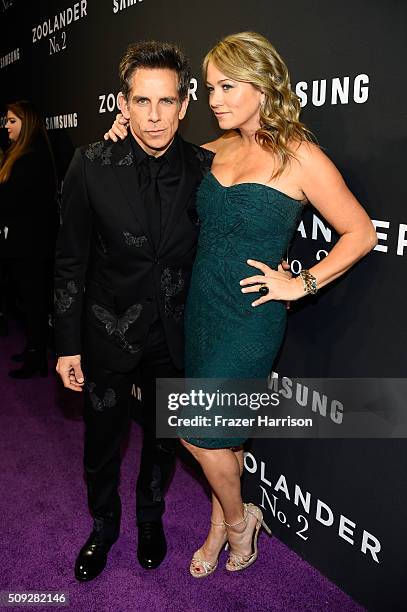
x: 99, y: 150
x: 136, y: 241
x: 102, y: 243
x: 94, y: 150
x: 117, y: 326
x: 108, y: 401
x: 126, y: 161
x: 64, y: 298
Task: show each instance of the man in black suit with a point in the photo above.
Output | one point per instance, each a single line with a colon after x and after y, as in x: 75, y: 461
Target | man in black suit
x: 124, y: 257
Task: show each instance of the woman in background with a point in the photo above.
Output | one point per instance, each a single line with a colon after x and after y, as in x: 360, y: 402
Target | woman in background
x: 28, y: 222
x: 266, y: 167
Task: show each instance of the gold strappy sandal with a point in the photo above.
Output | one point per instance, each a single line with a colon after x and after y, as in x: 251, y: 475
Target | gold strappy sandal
x: 237, y: 561
x: 200, y: 568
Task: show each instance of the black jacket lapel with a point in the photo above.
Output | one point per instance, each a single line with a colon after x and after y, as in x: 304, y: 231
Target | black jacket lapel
x: 125, y: 170
x: 191, y: 175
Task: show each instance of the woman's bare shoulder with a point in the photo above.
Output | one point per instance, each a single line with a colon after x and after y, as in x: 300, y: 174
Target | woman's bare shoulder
x: 217, y: 145
x: 305, y: 150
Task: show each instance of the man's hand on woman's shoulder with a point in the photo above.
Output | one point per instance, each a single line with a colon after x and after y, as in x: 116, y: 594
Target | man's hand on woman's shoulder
x: 118, y: 130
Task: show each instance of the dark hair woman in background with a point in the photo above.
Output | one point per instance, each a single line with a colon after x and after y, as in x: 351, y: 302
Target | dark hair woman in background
x: 28, y: 216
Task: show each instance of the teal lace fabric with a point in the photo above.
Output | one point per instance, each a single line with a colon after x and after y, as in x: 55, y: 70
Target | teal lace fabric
x: 225, y: 336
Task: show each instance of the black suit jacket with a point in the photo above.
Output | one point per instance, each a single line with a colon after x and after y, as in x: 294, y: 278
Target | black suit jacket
x: 108, y: 276
x: 28, y: 207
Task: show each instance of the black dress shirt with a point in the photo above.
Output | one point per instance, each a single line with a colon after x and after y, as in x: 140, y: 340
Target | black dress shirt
x: 157, y: 199
x: 167, y: 168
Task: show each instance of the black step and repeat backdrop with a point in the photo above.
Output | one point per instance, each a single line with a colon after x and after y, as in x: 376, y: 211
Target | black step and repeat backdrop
x: 340, y: 503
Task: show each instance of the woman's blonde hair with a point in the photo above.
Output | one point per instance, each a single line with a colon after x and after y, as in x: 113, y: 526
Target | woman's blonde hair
x: 249, y: 57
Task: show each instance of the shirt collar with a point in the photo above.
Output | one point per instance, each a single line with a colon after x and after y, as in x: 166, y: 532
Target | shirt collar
x: 140, y: 156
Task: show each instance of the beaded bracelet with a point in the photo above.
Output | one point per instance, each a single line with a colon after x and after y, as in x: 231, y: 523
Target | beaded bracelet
x: 309, y: 280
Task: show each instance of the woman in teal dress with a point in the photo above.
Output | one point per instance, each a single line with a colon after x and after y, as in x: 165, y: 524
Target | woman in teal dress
x: 266, y: 167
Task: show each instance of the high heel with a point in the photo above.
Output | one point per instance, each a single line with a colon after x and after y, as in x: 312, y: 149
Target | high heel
x: 237, y: 561
x: 200, y: 568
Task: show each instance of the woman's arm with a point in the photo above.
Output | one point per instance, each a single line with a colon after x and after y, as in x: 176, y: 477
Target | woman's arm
x: 324, y: 187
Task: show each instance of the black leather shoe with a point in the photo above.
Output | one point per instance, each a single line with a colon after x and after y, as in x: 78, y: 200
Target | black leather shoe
x: 152, y: 545
x: 92, y: 557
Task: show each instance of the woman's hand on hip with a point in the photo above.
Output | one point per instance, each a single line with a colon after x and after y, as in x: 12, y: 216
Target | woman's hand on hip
x: 280, y: 284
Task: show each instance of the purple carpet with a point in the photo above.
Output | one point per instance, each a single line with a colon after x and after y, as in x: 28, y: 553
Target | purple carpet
x: 45, y: 521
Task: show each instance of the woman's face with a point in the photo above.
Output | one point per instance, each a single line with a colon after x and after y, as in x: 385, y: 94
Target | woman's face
x: 236, y: 104
x: 13, y: 126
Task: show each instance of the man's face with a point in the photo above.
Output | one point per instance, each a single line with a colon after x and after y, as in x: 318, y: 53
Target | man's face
x: 153, y: 108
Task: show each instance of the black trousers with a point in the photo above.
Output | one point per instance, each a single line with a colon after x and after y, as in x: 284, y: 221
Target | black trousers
x: 32, y: 280
x: 107, y: 418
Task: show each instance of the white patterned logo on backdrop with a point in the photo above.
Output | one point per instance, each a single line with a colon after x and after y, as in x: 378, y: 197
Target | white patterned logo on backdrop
x: 398, y: 236
x: 323, y: 92
x: 109, y: 103
x: 54, y: 122
x: 303, y: 395
x: 298, y: 509
x: 315, y: 228
x: 121, y: 5
x: 61, y: 122
x: 54, y: 28
x: 338, y: 90
x: 7, y: 4
x: 10, y: 58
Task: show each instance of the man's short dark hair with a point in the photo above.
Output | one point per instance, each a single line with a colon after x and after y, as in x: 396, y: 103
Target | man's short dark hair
x: 152, y: 54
